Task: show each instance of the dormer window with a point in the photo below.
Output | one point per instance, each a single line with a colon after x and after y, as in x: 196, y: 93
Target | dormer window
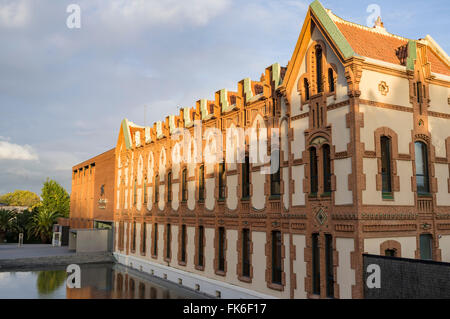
x: 319, y: 68
x: 330, y: 79
x: 306, y: 86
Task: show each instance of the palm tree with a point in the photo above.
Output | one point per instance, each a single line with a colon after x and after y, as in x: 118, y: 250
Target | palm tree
x: 21, y: 222
x: 6, y: 217
x: 42, y: 224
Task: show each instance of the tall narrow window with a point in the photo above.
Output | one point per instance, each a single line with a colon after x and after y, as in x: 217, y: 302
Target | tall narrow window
x: 156, y: 188
x: 201, y: 236
x: 315, y: 264
x: 419, y: 91
x: 155, y: 239
x: 168, y: 241
x: 246, y: 252
x: 306, y: 85
x: 145, y: 191
x: 329, y: 265
x: 331, y: 79
x: 201, y: 183
x: 221, y: 255
x: 313, y: 171
x: 121, y: 235
x: 275, y: 178
x: 144, y: 237
x: 276, y: 257
x: 133, y: 243
x: 135, y: 192
x: 426, y: 247
x: 386, y: 165
x: 222, y: 181
x: 183, y: 243
x: 141, y: 290
x: 319, y: 68
x: 422, y: 179
x: 184, y: 185
x: 326, y: 168
x: 246, y: 178
x: 169, y: 187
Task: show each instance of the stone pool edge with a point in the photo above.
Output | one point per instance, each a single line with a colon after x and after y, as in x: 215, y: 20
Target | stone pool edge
x: 49, y: 261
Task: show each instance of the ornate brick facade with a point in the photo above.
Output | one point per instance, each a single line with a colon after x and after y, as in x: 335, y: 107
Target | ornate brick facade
x: 331, y: 114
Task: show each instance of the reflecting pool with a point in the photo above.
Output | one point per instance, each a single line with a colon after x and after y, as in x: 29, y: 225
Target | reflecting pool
x: 104, y: 281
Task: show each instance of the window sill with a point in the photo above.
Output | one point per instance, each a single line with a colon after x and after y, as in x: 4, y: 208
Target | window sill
x: 182, y: 263
x: 155, y: 256
x: 388, y: 196
x: 274, y: 197
x: 312, y: 195
x: 245, y: 279
x: 245, y: 199
x: 201, y: 268
x: 220, y: 273
x: 426, y: 195
x: 221, y: 200
x: 275, y: 286
x: 326, y: 194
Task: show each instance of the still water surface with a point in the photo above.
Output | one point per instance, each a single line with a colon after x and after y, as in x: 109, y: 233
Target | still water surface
x: 97, y: 282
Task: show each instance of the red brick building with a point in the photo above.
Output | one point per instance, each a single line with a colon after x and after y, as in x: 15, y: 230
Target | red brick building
x: 363, y: 119
x: 91, y: 201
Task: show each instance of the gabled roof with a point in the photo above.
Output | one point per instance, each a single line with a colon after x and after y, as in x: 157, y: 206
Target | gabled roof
x: 348, y: 39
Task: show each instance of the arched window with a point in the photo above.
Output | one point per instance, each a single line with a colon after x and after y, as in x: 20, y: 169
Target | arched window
x: 246, y: 178
x: 386, y: 165
x: 275, y: 179
x: 145, y: 190
x: 319, y: 68
x: 330, y: 79
x: 390, y: 252
x: 222, y: 181
x: 306, y: 85
x: 135, y: 192
x: 156, y: 188
x: 169, y: 186
x: 184, y: 185
x: 326, y: 168
x: 201, y: 183
x: 422, y: 178
x: 133, y: 243
x: 313, y: 171
x: 144, y: 237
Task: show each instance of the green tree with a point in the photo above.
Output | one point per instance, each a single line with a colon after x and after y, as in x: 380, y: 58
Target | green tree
x: 20, y: 198
x: 50, y: 280
x: 21, y: 221
x: 41, y: 225
x: 55, y: 198
x: 6, y: 217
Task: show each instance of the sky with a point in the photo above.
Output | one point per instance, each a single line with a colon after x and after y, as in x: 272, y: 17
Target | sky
x: 64, y: 92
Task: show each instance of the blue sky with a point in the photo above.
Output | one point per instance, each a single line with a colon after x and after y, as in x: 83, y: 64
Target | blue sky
x: 64, y: 92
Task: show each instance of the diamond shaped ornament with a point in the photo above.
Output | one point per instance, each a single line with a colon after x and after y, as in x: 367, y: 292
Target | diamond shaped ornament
x: 321, y: 216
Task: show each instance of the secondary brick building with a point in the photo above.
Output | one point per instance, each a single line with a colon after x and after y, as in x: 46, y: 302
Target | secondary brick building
x: 92, y: 198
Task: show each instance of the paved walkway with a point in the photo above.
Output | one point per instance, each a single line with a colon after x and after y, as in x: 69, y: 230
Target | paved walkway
x: 11, y: 251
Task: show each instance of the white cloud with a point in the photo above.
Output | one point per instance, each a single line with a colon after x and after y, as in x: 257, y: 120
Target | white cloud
x: 160, y: 12
x: 14, y: 14
x: 10, y: 151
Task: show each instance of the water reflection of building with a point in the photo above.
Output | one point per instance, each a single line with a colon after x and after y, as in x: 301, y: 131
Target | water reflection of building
x: 105, y: 282
x: 364, y: 126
